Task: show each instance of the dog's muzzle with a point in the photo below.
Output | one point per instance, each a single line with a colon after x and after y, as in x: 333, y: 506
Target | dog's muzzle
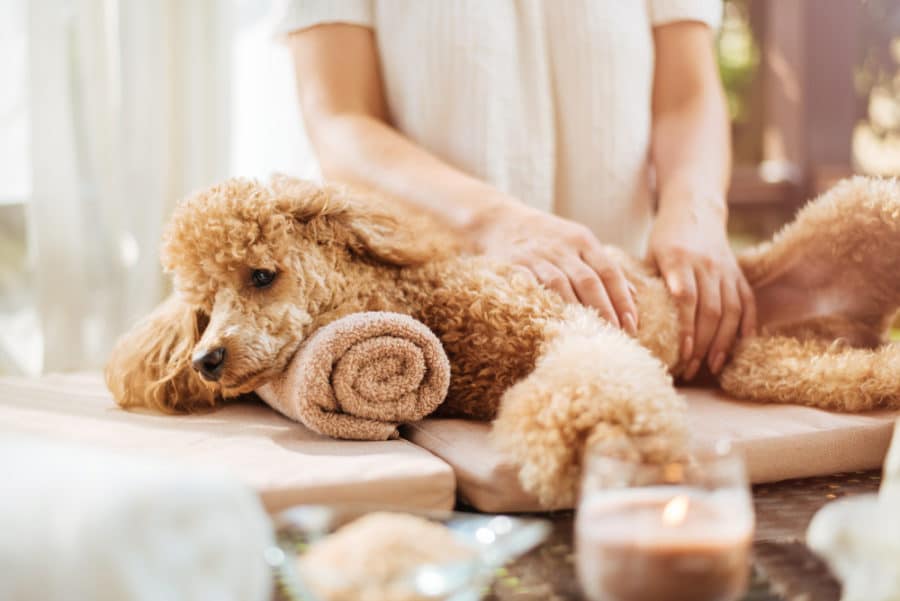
x: 210, y: 364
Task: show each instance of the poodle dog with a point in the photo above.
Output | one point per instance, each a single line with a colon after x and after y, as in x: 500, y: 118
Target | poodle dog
x: 258, y: 267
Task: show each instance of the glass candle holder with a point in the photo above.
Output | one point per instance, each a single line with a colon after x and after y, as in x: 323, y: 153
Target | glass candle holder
x: 679, y: 531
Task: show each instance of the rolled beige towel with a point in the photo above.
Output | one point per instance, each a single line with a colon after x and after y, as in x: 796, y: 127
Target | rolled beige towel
x: 363, y: 375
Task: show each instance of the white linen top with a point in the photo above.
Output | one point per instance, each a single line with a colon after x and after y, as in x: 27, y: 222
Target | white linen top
x: 549, y: 101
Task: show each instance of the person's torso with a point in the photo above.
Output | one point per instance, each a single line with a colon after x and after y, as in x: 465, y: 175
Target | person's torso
x: 547, y: 101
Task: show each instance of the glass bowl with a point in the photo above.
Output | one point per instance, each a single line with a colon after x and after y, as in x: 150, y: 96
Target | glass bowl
x: 494, y: 539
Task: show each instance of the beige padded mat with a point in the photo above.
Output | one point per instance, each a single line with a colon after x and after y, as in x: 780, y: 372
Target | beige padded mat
x: 778, y: 442
x: 286, y: 463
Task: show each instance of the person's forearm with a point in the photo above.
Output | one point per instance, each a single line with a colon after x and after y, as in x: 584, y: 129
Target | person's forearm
x: 691, y: 152
x: 346, y: 115
x: 688, y: 243
x: 691, y: 138
x: 361, y: 149
x: 347, y: 119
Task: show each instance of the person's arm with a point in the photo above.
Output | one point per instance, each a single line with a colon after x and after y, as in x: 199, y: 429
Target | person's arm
x: 692, y: 157
x: 347, y: 120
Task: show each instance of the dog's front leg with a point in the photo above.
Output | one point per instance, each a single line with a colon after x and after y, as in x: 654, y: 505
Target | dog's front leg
x: 596, y: 389
x: 557, y: 378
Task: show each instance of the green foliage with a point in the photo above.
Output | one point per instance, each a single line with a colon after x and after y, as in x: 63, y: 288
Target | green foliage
x: 738, y: 57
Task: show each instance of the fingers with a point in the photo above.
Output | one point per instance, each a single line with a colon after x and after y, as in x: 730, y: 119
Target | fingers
x: 683, y: 286
x: 709, y: 313
x: 590, y: 289
x: 553, y: 278
x: 728, y: 325
x: 748, y: 303
x: 592, y: 279
x: 617, y: 287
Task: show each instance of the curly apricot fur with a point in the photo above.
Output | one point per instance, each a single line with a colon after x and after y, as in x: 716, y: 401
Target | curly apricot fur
x: 555, y: 378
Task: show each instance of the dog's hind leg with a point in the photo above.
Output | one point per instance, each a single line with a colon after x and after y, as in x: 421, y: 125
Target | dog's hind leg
x: 839, y: 257
x: 825, y: 374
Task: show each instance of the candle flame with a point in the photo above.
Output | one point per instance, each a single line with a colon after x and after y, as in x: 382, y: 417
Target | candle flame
x: 675, y: 511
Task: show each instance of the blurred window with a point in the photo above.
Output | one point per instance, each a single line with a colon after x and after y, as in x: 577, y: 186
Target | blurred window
x: 813, y: 90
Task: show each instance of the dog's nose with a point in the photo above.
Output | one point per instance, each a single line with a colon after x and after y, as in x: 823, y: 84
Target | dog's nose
x: 210, y: 364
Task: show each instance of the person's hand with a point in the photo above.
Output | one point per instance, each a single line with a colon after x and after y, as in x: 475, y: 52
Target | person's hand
x: 563, y: 255
x: 690, y: 247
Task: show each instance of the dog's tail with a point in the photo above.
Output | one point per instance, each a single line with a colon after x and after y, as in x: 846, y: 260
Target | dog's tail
x: 592, y: 387
x: 828, y: 375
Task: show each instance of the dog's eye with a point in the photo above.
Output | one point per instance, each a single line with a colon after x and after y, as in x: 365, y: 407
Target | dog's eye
x: 262, y: 278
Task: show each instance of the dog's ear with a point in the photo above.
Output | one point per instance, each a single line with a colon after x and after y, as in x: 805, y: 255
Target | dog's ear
x: 150, y: 365
x: 385, y: 230
x: 369, y: 224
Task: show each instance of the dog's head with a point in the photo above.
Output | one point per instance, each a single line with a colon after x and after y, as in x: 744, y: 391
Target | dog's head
x: 253, y: 265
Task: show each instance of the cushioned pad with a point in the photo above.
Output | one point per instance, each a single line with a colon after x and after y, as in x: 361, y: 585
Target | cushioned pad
x: 286, y: 463
x: 778, y: 442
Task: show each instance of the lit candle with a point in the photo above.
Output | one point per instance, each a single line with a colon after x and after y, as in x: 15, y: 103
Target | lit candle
x: 672, y: 543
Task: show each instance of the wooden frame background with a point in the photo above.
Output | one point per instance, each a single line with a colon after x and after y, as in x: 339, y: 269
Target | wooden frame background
x: 804, y: 100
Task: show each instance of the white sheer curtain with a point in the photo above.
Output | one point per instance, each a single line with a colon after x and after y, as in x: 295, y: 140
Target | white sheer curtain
x: 267, y: 132
x: 129, y: 111
x: 118, y: 108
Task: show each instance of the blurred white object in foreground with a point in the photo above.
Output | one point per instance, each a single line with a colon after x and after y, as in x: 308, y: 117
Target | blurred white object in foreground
x: 859, y: 537
x: 80, y: 524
